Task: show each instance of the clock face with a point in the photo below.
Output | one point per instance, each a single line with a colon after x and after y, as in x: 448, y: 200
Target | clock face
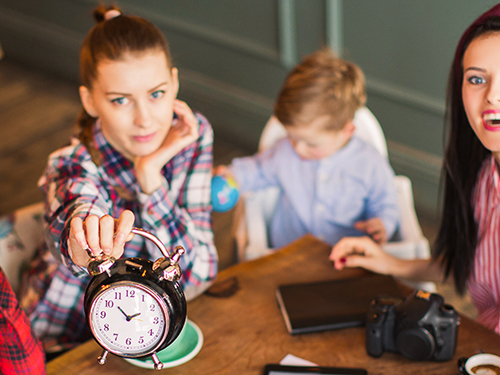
x: 129, y: 319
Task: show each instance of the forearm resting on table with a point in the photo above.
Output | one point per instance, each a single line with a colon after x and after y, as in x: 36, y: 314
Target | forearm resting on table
x: 418, y: 270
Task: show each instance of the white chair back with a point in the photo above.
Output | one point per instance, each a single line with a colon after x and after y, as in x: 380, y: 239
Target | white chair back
x: 367, y: 128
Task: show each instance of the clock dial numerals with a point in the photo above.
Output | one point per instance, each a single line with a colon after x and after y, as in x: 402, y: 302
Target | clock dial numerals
x: 128, y: 319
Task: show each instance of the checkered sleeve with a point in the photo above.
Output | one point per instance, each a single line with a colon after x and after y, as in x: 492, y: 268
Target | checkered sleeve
x: 20, y: 350
x: 179, y: 212
x: 71, y: 187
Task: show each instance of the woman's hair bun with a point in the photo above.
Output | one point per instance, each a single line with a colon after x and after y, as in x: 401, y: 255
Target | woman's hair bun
x: 100, y: 12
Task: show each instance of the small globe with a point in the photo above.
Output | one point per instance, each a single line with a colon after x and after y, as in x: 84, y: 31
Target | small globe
x: 224, y: 193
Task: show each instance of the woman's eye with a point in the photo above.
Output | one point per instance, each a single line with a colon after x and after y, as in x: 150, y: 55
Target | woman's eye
x: 120, y: 101
x: 158, y: 94
x: 476, y: 80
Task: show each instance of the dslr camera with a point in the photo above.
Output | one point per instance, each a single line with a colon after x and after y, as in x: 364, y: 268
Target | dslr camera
x: 421, y: 327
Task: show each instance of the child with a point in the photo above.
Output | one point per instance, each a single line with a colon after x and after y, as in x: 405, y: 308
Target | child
x: 142, y: 158
x: 468, y: 242
x: 332, y: 184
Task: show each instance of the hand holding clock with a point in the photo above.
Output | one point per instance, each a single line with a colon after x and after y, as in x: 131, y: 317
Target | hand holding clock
x: 100, y: 235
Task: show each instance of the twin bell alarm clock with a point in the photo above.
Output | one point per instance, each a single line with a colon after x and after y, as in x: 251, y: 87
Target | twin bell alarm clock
x: 224, y: 193
x: 135, y: 307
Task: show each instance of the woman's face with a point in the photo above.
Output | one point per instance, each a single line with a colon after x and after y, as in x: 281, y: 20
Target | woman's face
x: 481, y: 90
x: 133, y: 97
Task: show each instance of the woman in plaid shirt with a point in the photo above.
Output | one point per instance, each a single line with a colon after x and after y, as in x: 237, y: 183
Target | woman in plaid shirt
x: 142, y: 158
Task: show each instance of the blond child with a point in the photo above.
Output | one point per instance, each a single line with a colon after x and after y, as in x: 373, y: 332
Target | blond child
x: 332, y: 184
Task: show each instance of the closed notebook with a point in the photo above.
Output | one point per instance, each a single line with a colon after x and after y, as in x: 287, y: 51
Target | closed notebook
x: 332, y: 304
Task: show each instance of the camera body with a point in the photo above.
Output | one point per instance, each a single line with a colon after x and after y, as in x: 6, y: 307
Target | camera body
x: 421, y: 327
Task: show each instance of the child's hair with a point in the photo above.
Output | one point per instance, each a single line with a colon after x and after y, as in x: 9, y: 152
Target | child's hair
x: 457, y: 238
x: 114, y: 36
x: 321, y: 85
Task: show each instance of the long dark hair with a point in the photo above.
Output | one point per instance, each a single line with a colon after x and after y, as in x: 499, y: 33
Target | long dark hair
x: 110, y: 40
x: 455, y: 246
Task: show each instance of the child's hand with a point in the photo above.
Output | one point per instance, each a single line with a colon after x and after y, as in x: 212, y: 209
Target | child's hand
x: 182, y: 133
x: 374, y: 228
x: 100, y: 235
x: 222, y: 170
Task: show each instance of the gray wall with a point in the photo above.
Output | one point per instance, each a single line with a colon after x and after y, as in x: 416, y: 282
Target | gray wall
x: 234, y: 54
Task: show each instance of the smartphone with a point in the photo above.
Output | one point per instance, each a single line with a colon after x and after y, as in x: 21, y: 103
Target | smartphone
x: 277, y: 369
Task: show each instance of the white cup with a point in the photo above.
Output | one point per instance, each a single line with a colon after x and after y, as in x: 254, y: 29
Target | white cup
x: 482, y: 364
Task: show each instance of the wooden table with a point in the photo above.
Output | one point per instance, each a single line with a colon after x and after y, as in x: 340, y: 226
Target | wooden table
x: 245, y: 331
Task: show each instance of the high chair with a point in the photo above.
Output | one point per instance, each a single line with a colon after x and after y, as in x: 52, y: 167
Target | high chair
x: 252, y: 222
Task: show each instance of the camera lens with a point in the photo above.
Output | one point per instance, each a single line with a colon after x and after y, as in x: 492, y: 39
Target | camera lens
x: 415, y: 344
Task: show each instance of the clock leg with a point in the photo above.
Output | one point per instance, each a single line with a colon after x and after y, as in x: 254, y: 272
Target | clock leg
x: 102, y: 358
x: 156, y: 360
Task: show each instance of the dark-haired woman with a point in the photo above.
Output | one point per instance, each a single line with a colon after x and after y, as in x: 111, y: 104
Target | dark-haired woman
x: 468, y: 242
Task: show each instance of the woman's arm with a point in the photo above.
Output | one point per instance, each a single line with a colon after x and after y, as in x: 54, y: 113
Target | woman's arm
x: 179, y: 213
x: 363, y: 252
x: 72, y: 189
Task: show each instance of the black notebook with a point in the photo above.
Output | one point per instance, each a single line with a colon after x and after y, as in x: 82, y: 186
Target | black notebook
x: 332, y: 304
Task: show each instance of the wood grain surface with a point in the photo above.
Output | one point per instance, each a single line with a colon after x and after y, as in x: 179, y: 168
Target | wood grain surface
x: 245, y: 331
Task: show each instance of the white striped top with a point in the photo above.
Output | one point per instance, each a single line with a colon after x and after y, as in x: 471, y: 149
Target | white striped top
x: 484, y: 285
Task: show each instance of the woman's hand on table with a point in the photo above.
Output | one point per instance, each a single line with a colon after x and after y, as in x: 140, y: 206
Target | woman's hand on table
x: 100, y: 235
x: 362, y: 252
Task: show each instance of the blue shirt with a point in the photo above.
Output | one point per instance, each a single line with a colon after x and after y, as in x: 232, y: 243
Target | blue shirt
x: 322, y: 197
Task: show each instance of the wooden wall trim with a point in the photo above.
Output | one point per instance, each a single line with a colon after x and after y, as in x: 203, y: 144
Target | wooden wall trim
x: 40, y: 30
x: 405, y: 96
x: 285, y: 55
x: 200, y: 85
x: 287, y: 33
x: 334, y: 26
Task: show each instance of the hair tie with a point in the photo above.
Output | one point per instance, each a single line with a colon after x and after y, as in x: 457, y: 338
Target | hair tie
x: 110, y: 14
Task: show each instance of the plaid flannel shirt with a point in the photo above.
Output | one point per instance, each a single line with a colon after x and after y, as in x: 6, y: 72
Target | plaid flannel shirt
x: 20, y: 351
x: 74, y: 185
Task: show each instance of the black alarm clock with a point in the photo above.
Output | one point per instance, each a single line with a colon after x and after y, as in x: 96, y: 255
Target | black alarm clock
x: 135, y: 307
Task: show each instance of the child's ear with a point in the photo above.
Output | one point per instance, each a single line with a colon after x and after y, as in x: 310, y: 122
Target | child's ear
x: 87, y: 101
x: 349, y: 128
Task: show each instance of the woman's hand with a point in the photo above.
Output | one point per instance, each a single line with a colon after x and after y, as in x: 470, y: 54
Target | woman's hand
x: 363, y: 252
x: 182, y: 133
x: 100, y: 235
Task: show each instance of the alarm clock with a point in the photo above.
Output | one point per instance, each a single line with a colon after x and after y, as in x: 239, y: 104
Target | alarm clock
x: 135, y: 307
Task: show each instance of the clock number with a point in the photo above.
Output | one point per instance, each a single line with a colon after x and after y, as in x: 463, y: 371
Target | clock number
x: 106, y: 327
x: 141, y: 339
x: 109, y: 303
x: 152, y: 308
x: 103, y: 314
x: 156, y: 320
x: 151, y: 333
x: 116, y: 336
x: 130, y: 293
x: 118, y: 295
x: 128, y: 341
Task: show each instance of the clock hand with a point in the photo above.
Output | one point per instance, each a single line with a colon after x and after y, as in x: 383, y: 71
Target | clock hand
x: 128, y: 317
x: 133, y: 316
